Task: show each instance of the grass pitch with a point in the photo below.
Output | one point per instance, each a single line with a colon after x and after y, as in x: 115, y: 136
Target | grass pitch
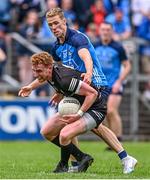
x: 38, y: 159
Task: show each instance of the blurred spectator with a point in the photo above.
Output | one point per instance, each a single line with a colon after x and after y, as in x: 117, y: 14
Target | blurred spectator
x: 70, y: 15
x: 75, y: 25
x: 45, y: 31
x: 139, y: 8
x: 29, y: 29
x: 82, y: 9
x: 109, y: 7
x: 98, y: 13
x: 51, y: 4
x: 23, y: 6
x: 31, y: 26
x: 124, y: 5
x: 92, y: 33
x: 3, y: 56
x: 144, y: 32
x: 5, y: 17
x: 121, y: 25
x: 43, y: 91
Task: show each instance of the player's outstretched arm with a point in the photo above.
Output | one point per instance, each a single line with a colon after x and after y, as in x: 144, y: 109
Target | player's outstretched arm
x: 87, y: 59
x: 26, y: 90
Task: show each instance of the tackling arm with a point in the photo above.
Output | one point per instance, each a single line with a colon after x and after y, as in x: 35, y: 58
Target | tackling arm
x: 87, y: 59
x: 26, y: 90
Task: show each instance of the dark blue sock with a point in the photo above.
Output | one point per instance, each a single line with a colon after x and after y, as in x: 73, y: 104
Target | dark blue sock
x: 122, y: 154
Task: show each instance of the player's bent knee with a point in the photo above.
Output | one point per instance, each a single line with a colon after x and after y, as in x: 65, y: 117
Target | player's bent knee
x: 111, y: 112
x: 46, y: 135
x: 64, y: 138
x: 43, y: 132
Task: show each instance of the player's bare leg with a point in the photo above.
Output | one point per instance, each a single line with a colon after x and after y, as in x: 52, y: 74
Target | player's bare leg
x: 52, y: 127
x: 67, y: 134
x: 113, y: 117
x: 109, y: 137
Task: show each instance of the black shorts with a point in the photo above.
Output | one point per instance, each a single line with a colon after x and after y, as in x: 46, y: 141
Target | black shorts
x: 99, y: 114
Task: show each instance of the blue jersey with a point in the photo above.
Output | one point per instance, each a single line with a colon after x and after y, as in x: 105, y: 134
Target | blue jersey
x: 111, y: 56
x: 68, y: 54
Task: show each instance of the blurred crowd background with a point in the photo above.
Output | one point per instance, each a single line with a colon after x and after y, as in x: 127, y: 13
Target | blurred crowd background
x: 24, y: 31
x: 130, y: 18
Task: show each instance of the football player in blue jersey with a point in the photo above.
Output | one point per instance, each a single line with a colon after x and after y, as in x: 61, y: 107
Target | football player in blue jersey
x: 112, y: 57
x: 74, y: 49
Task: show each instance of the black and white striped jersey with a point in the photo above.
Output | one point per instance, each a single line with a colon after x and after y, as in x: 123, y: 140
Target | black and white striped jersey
x: 67, y: 81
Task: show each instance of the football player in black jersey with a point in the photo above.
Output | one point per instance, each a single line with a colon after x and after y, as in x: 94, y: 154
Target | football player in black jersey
x: 60, y: 130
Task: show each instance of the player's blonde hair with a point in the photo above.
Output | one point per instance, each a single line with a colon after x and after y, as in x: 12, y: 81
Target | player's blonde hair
x: 54, y: 12
x: 42, y: 58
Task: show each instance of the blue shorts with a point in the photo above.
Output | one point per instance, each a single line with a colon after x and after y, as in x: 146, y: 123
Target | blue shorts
x: 120, y: 92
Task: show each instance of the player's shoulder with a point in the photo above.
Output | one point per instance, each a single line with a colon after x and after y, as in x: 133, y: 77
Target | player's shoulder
x: 76, y: 37
x: 54, y: 45
x: 116, y: 45
x: 63, y: 69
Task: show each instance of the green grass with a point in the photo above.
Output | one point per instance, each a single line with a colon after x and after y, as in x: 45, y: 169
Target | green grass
x: 38, y: 159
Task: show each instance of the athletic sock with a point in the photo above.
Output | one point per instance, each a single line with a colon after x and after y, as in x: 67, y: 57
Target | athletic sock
x: 56, y: 141
x: 65, y: 154
x: 72, y: 149
x: 67, y: 150
x: 122, y: 154
x: 75, y: 151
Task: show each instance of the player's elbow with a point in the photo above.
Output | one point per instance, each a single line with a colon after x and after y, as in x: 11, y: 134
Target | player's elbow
x: 129, y: 66
x: 94, y: 94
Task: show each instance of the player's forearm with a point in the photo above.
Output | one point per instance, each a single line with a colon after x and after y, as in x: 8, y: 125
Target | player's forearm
x: 35, y: 84
x: 88, y: 101
x: 90, y: 95
x: 89, y: 66
x: 87, y: 59
x: 125, y: 72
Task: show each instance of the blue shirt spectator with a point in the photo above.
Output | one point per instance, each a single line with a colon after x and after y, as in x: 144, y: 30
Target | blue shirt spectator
x: 144, y: 32
x: 108, y: 6
x: 121, y: 25
x: 5, y: 7
x: 70, y: 15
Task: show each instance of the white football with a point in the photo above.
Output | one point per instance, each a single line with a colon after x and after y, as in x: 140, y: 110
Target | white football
x: 68, y: 105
